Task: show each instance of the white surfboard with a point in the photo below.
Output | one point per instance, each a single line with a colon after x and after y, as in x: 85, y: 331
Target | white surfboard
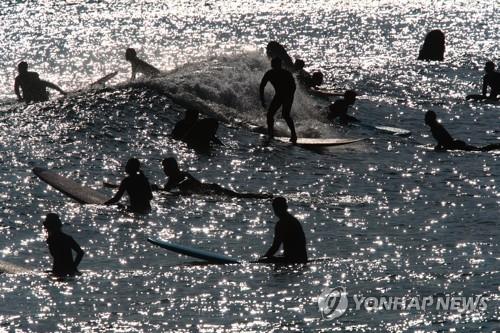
x: 319, y: 142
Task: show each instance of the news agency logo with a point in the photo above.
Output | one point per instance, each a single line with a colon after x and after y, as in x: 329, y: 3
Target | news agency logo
x: 332, y: 302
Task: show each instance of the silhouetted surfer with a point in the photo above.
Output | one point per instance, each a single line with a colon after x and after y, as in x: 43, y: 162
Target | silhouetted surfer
x: 340, y: 107
x: 140, y: 66
x: 33, y: 88
x: 187, y: 184
x: 288, y: 232
x: 305, y: 78
x: 284, y: 87
x: 491, y: 79
x: 61, y: 247
x: 445, y: 141
x: 197, y: 133
x: 433, y: 47
x: 137, y: 187
x: 276, y: 50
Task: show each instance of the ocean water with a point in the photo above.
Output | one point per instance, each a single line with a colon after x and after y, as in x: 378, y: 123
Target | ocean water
x: 389, y: 216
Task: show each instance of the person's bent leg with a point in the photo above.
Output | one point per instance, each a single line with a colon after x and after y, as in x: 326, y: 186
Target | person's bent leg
x: 287, y: 108
x: 273, y: 107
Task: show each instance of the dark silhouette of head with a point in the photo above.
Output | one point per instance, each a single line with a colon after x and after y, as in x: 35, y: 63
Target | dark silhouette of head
x: 299, y: 64
x: 170, y: 166
x: 276, y: 63
x: 274, y: 49
x: 489, y: 66
x: 433, y: 47
x: 22, y: 67
x: 430, y: 117
x: 52, y: 222
x: 280, y: 206
x: 133, y: 166
x: 191, y: 115
x: 130, y: 54
x: 350, y: 96
x: 317, y: 78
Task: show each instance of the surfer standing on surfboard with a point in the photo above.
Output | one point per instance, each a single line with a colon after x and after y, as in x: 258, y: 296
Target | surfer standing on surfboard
x: 491, y: 79
x: 34, y: 89
x: 61, y: 247
x: 289, y: 232
x: 137, y: 187
x: 284, y: 87
x: 340, y: 107
x: 139, y: 65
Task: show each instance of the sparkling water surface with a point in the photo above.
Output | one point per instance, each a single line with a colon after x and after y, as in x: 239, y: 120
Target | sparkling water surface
x: 389, y: 216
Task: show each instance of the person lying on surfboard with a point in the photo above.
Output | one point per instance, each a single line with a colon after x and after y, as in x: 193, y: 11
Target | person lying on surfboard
x: 288, y: 232
x: 284, y: 87
x: 446, y: 142
x: 197, y: 133
x: 137, y: 187
x: 33, y: 88
x: 340, y: 107
x: 139, y: 65
x: 187, y: 184
x: 61, y: 247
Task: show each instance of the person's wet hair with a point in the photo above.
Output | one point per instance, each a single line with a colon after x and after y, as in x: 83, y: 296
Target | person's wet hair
x: 489, y: 66
x: 279, y: 204
x: 130, y: 53
x: 170, y: 163
x: 276, y: 63
x: 192, y: 114
x: 299, y: 64
x: 133, y: 166
x: 433, y: 47
x: 52, y: 222
x: 22, y: 66
x: 430, y: 116
x: 317, y: 78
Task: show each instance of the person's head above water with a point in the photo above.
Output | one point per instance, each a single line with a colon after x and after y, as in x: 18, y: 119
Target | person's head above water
x: 430, y: 117
x: 22, y: 67
x: 52, y: 222
x: 133, y: 166
x: 191, y: 115
x: 299, y: 64
x: 276, y: 63
x: 170, y: 166
x: 317, y: 78
x: 280, y: 206
x: 130, y: 54
x: 489, y: 66
x: 350, y: 96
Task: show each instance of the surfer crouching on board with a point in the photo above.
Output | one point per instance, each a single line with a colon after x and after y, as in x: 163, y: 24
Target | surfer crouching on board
x: 139, y: 65
x: 491, y: 79
x: 284, y: 87
x: 61, y: 247
x: 340, y: 107
x: 289, y: 232
x: 445, y: 141
x: 137, y: 187
x: 187, y: 184
x: 34, y: 89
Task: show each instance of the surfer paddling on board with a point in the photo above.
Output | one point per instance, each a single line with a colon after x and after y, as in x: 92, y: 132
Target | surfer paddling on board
x: 61, y: 247
x: 33, y: 88
x: 137, y: 187
x: 187, y: 184
x: 491, y: 79
x: 139, y: 65
x: 288, y: 232
x: 284, y: 87
x: 446, y: 142
x: 340, y: 107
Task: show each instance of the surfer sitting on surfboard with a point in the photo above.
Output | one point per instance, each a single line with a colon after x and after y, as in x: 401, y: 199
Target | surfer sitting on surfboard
x: 340, y: 107
x: 491, y: 79
x: 140, y: 66
x: 284, y: 87
x: 197, y: 133
x: 61, y: 247
x: 137, y: 187
x: 445, y: 141
x: 289, y: 232
x: 187, y: 184
x: 34, y: 89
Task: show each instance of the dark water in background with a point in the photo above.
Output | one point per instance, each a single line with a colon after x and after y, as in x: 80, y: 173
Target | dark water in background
x: 393, y: 217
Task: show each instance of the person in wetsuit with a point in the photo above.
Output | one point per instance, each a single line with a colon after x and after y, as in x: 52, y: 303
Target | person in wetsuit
x: 187, y: 184
x: 276, y: 50
x: 61, y: 247
x: 137, y: 187
x: 139, y: 65
x: 446, y: 142
x: 433, y: 47
x: 197, y: 133
x: 183, y: 126
x: 284, y: 87
x: 340, y: 107
x: 33, y: 88
x: 288, y: 232
x: 491, y: 79
x: 305, y: 78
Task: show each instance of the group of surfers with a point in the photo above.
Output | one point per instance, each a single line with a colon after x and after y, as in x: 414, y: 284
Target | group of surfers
x: 199, y: 133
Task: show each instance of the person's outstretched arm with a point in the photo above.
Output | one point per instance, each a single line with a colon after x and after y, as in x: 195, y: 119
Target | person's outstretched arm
x: 79, y: 254
x: 263, y: 83
x: 118, y: 195
x: 276, y: 243
x: 485, y: 85
x: 16, y: 90
x: 134, y: 71
x: 52, y: 86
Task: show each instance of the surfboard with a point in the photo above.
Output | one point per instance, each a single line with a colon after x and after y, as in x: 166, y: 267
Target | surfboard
x: 80, y: 193
x: 322, y: 92
x: 481, y: 98
x: 393, y: 130
x: 103, y: 80
x: 194, y: 252
x: 10, y: 268
x: 318, y: 142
